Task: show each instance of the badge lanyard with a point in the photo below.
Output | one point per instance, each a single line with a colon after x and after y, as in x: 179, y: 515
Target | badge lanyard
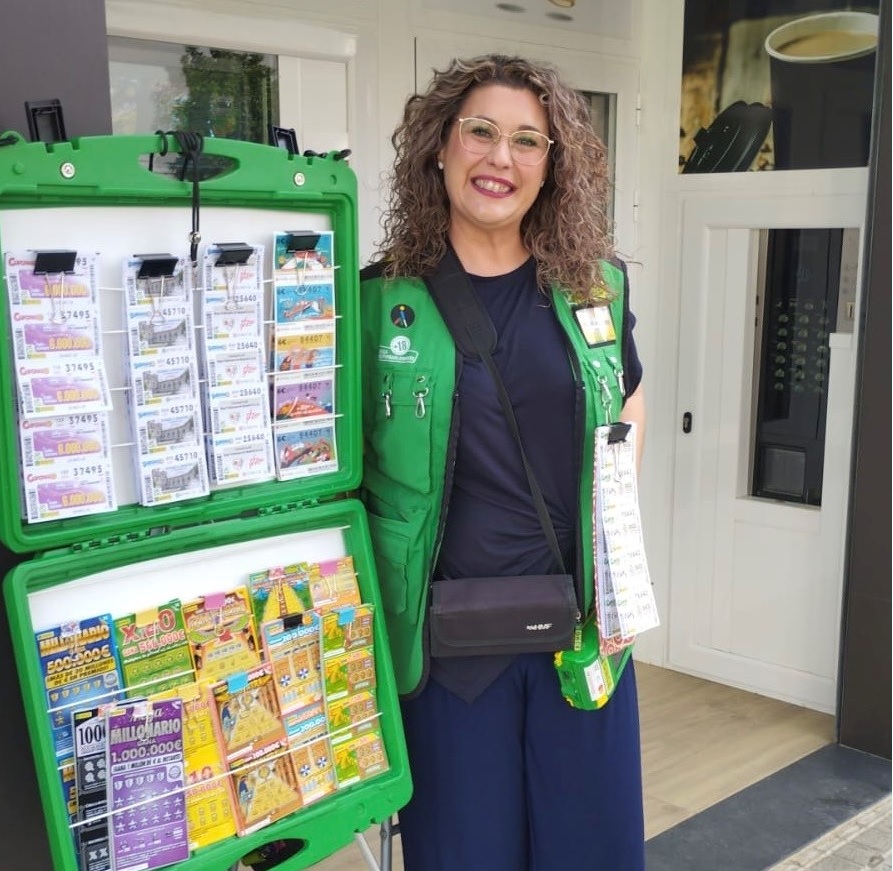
x: 624, y: 597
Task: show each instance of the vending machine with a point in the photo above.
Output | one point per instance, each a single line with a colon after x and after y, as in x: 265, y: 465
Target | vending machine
x: 196, y: 620
x: 809, y: 294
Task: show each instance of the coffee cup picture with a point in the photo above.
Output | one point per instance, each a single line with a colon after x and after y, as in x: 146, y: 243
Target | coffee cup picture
x: 777, y: 84
x: 821, y: 70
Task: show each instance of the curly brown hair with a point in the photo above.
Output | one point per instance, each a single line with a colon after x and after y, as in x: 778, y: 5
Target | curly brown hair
x: 566, y: 229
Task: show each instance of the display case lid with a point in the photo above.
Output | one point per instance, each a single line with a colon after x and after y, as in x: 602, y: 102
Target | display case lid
x: 83, y: 178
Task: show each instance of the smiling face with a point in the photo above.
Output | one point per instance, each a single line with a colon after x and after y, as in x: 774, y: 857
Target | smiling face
x: 492, y: 192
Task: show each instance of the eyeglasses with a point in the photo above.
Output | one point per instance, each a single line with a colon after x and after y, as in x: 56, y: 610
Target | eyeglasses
x: 480, y: 136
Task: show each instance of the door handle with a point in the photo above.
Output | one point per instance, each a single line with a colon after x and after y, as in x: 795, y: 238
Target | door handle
x: 686, y: 422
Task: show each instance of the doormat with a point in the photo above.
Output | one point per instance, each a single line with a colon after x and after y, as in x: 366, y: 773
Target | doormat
x: 762, y: 824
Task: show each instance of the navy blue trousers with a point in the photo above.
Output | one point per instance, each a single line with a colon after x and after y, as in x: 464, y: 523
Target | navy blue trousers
x: 519, y: 781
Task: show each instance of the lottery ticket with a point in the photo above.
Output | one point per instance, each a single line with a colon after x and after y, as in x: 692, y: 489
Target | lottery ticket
x: 221, y: 634
x: 348, y: 673
x: 222, y: 323
x: 158, y: 429
x: 305, y: 346
x: 248, y: 716
x: 314, y: 768
x: 304, y: 449
x: 360, y: 758
x: 282, y: 591
x: 25, y: 287
x: 172, y: 475
x: 266, y: 790
x: 69, y: 786
x: 303, y: 394
x: 46, y: 440
x: 242, y: 458
x: 307, y: 723
x: 70, y: 488
x: 91, y: 782
x: 146, y: 774
x: 346, y: 628
x: 79, y: 666
x: 232, y: 410
x: 160, y: 329
x: 163, y: 379
x: 333, y: 584
x: 293, y: 653
x: 153, y: 650
x: 40, y: 335
x: 352, y: 715
x: 235, y: 367
x: 209, y: 799
x: 232, y: 275
x: 62, y: 386
x: 310, y: 298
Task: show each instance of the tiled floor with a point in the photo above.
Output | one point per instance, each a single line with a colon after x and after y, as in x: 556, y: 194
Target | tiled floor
x: 862, y: 843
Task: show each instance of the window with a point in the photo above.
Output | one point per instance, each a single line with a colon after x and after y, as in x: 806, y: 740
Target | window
x: 212, y: 91
x: 603, y: 112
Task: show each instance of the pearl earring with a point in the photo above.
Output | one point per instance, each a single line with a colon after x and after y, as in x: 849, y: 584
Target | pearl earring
x: 440, y: 164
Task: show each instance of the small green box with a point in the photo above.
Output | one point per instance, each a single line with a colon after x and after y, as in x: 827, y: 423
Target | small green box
x: 588, y: 678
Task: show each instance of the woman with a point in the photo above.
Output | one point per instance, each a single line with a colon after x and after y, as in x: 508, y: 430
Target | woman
x: 498, y: 160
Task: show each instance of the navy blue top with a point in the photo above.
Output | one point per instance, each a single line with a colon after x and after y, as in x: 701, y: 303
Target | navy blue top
x: 492, y: 528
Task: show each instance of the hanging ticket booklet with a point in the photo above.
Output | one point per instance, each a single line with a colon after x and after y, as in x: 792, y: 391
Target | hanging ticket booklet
x: 237, y: 412
x: 624, y: 598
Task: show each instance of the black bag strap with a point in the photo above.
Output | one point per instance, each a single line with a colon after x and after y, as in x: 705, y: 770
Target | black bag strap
x: 475, y: 336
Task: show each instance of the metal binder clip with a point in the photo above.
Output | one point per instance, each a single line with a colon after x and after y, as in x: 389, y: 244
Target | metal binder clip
x: 232, y: 255
x: 618, y: 432
x: 154, y: 270
x: 60, y: 264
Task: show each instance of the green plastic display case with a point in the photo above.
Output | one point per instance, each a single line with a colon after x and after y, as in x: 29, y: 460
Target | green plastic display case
x: 98, y: 191
x: 78, y: 178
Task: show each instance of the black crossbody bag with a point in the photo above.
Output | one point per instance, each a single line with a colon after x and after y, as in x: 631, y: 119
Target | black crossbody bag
x: 507, y: 615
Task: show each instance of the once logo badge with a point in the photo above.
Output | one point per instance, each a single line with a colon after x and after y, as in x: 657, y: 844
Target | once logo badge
x: 402, y: 316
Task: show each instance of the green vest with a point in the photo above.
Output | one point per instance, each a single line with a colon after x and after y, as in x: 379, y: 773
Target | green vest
x: 409, y: 381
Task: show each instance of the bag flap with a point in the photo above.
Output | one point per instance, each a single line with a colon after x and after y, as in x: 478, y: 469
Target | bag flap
x: 511, y: 611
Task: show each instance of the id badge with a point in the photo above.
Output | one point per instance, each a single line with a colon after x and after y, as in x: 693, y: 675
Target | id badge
x: 596, y: 325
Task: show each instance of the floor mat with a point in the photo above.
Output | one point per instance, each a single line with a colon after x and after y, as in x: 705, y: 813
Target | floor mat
x: 757, y: 827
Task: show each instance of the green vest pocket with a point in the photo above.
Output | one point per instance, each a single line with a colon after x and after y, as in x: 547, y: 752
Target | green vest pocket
x: 401, y: 435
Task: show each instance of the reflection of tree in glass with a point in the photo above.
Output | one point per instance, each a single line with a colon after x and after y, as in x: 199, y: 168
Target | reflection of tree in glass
x: 228, y: 93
